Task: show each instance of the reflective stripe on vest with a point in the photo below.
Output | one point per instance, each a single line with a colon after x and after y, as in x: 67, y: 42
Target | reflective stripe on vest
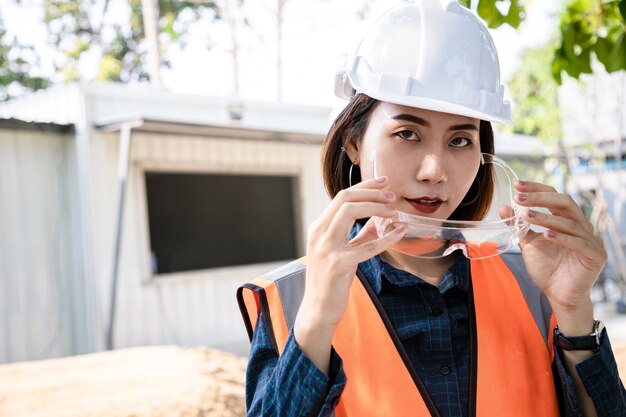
x: 511, y: 353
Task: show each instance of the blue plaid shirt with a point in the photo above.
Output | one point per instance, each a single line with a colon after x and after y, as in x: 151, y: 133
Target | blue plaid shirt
x: 432, y: 323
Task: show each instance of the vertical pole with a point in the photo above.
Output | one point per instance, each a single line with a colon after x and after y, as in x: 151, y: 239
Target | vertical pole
x: 231, y: 10
x: 150, y: 11
x: 123, y: 160
x: 279, y: 53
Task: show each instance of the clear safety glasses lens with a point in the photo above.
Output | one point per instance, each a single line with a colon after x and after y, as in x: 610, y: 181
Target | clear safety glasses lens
x: 431, y: 238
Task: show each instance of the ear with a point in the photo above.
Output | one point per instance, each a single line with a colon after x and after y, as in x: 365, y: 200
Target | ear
x: 352, y: 150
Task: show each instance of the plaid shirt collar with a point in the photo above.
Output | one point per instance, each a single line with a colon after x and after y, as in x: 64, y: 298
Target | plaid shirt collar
x: 375, y: 269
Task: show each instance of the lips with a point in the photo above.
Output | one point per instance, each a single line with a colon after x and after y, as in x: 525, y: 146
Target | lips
x: 426, y: 204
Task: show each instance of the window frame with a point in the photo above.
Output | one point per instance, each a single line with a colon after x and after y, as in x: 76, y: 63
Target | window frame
x: 140, y: 168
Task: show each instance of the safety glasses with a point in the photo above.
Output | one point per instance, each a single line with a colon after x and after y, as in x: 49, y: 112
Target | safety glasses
x: 432, y: 238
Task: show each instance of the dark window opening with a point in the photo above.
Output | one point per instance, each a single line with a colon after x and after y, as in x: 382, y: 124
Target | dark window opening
x: 200, y: 221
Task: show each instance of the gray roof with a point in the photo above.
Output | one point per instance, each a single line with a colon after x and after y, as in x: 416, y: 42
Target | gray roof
x: 18, y: 124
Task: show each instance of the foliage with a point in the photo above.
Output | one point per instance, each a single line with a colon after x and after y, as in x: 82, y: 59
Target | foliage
x: 16, y: 66
x: 591, y: 26
x: 534, y: 94
x: 586, y: 27
x: 491, y: 11
x: 75, y: 29
x: 82, y: 29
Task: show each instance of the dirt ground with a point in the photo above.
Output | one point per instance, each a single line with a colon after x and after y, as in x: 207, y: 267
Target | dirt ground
x: 161, y: 381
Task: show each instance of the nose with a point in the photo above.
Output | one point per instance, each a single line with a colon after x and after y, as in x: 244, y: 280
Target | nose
x: 432, y: 169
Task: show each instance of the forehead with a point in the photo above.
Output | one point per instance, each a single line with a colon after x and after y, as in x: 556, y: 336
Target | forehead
x: 385, y: 111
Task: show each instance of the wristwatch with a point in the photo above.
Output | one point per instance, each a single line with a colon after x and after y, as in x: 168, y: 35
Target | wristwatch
x: 590, y: 342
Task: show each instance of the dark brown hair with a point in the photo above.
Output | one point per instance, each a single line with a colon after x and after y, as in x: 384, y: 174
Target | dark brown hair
x: 349, y: 128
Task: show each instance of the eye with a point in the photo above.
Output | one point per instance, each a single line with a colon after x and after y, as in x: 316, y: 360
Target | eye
x: 460, y: 142
x: 407, y: 135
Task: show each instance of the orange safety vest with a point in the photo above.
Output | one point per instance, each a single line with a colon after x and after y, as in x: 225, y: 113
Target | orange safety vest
x: 510, y: 337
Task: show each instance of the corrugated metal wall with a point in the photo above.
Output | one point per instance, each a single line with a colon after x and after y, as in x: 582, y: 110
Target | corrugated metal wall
x: 36, y: 289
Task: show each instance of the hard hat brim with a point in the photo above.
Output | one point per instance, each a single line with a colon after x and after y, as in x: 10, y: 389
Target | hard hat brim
x: 441, y: 106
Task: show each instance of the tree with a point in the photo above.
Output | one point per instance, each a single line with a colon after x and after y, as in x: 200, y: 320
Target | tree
x: 75, y: 28
x: 17, y: 65
x: 534, y: 94
x: 586, y: 27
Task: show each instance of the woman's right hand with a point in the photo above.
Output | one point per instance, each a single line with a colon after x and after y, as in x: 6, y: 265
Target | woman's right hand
x: 332, y: 260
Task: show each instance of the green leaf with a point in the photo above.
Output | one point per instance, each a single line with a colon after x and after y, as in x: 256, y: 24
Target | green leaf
x: 622, y: 9
x: 583, y: 63
x: 618, y: 55
x: 465, y: 3
x: 489, y: 12
x: 110, y: 69
x: 517, y: 13
x: 603, y: 50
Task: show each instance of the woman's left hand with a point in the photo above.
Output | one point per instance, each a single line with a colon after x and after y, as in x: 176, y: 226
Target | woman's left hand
x: 565, y: 260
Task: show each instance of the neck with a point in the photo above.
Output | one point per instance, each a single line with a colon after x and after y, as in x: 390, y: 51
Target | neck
x: 430, y: 270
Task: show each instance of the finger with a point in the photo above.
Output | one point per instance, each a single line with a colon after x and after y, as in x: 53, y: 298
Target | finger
x: 375, y: 247
x: 369, y: 190
x: 366, y: 234
x: 506, y: 212
x: 542, y: 192
x: 593, y: 254
x: 348, y: 213
x: 560, y: 224
x: 533, y: 187
x: 558, y: 204
x: 530, y: 236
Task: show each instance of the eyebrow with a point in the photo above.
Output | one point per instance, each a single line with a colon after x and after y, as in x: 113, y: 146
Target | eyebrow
x: 422, y: 122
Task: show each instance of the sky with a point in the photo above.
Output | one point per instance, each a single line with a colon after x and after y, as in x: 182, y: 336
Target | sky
x: 317, y: 36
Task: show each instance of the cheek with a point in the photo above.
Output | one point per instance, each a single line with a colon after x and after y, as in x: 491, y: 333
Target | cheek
x: 381, y: 156
x: 468, y: 181
x: 396, y: 173
x: 464, y: 183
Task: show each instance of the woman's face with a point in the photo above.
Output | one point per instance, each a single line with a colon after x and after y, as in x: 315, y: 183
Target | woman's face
x: 430, y: 158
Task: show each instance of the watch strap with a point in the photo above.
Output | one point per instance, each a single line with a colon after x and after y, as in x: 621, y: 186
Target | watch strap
x: 589, y: 342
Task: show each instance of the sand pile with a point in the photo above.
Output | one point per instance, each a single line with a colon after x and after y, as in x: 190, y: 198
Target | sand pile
x: 162, y: 381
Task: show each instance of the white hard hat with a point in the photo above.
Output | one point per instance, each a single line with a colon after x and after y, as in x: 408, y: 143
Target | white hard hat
x: 430, y: 54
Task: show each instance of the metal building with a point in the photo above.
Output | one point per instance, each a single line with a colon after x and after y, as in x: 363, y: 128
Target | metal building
x: 60, y: 189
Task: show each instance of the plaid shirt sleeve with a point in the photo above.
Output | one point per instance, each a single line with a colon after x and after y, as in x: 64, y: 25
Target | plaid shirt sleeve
x: 289, y: 385
x: 601, y: 380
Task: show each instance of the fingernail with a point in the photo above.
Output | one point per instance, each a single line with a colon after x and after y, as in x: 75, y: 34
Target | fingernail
x: 551, y: 234
x: 522, y: 197
x: 520, y: 182
x: 381, y: 179
x: 532, y: 213
x: 390, y: 195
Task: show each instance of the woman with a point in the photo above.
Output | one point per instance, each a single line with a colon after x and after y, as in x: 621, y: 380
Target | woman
x: 362, y: 328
